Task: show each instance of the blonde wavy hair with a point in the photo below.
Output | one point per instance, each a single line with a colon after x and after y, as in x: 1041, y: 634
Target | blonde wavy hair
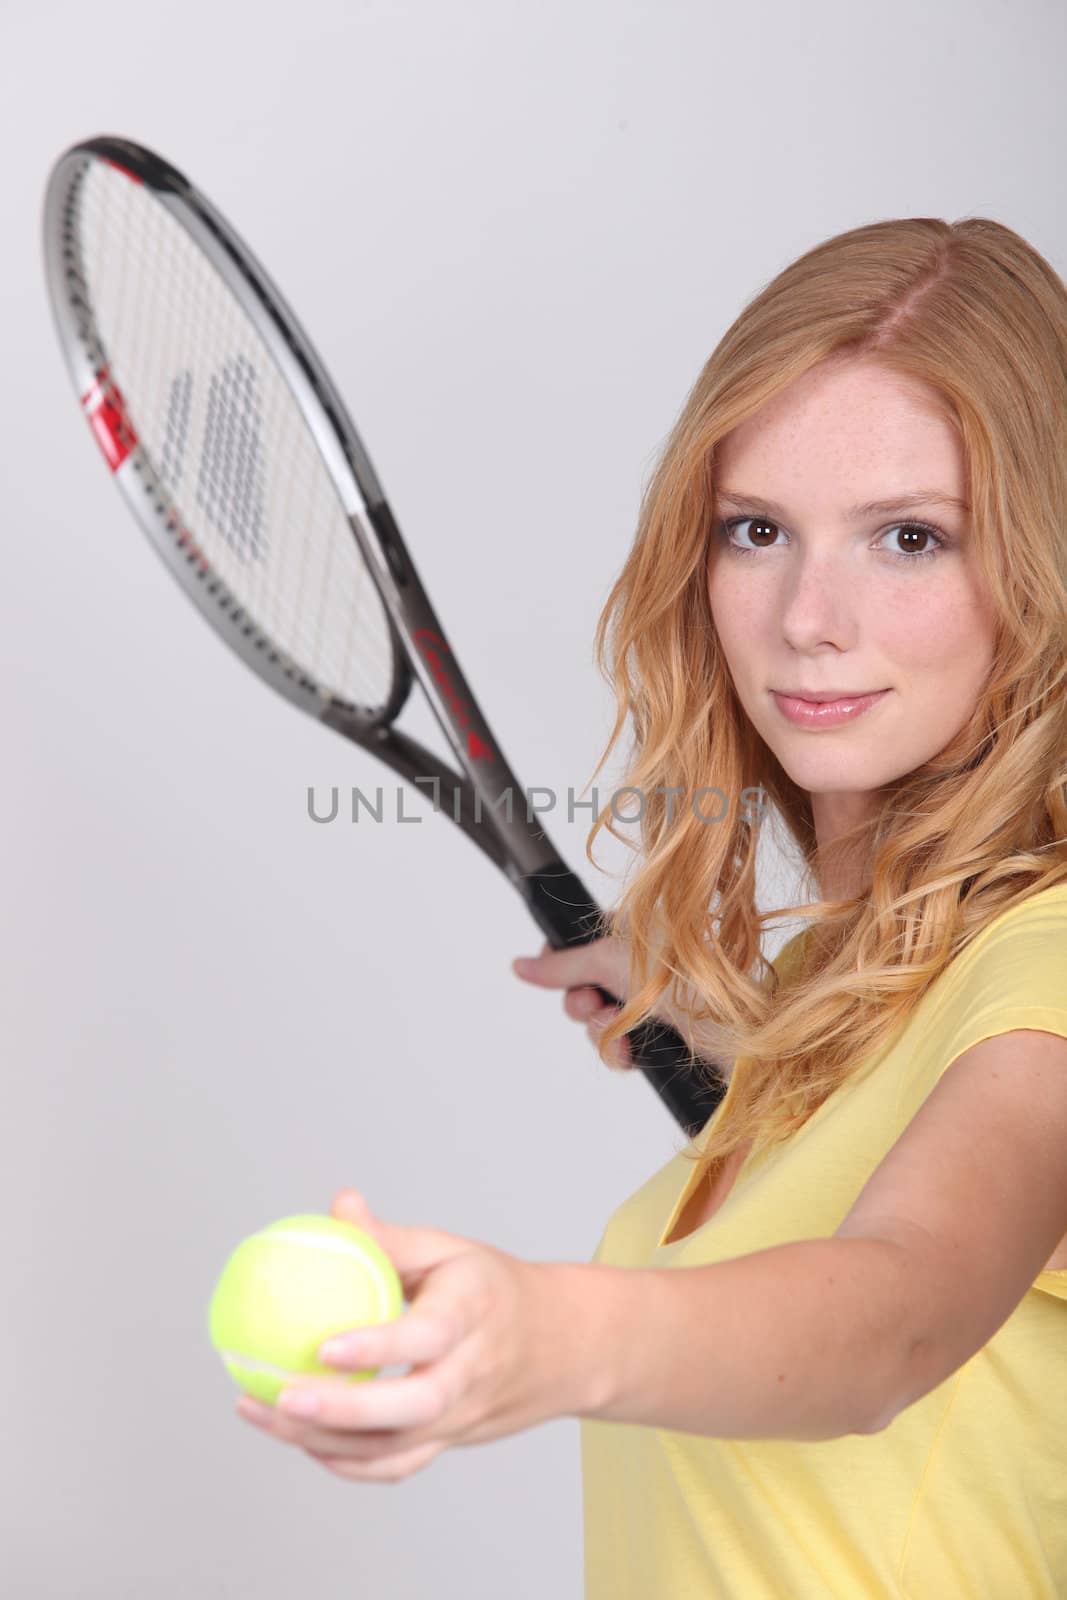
x: 974, y: 312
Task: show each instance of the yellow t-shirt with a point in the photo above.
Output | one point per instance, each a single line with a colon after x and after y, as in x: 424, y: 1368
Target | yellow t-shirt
x: 965, y: 1493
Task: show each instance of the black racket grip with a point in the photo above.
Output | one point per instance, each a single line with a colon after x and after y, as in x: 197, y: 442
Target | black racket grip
x: 563, y: 910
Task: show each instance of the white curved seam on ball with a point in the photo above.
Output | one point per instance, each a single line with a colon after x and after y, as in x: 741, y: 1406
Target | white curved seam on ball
x: 341, y: 1247
x: 249, y: 1364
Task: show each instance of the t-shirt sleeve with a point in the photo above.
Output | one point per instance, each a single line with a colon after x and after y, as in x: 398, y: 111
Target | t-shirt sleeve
x: 1013, y: 976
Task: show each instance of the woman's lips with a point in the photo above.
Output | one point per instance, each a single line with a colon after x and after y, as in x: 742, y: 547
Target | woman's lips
x: 825, y: 713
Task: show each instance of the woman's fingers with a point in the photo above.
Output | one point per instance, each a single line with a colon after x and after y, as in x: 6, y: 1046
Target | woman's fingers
x: 581, y: 1004
x: 381, y: 1469
x: 618, y: 1052
x: 585, y: 1005
x: 605, y: 962
x: 575, y: 970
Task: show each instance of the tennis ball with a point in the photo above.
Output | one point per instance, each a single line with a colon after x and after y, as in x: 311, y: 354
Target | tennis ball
x: 286, y: 1289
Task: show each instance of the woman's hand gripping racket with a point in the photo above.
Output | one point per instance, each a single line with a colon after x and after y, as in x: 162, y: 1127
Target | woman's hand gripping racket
x: 235, y: 452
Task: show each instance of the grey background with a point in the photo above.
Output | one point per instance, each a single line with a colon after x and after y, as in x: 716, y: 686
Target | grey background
x: 515, y: 232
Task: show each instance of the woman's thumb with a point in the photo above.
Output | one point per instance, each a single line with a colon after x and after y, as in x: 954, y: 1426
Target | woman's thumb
x: 412, y: 1250
x: 350, y: 1206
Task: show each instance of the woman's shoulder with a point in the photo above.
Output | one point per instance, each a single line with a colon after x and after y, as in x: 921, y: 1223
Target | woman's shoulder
x: 1034, y: 927
x: 1011, y: 974
x: 1048, y: 904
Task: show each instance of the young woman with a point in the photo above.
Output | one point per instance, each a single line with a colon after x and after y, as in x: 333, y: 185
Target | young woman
x: 823, y: 1350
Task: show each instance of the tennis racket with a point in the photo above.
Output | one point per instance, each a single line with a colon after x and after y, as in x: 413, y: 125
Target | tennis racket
x: 236, y: 455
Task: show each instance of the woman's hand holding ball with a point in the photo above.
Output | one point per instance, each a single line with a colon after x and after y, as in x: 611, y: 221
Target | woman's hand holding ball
x: 493, y: 1344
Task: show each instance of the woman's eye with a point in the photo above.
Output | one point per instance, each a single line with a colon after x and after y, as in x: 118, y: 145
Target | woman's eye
x: 765, y: 531
x: 913, y: 531
x: 761, y: 524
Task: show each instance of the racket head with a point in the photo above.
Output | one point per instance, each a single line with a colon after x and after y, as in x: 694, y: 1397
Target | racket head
x: 138, y: 264
x: 224, y: 432
x: 237, y: 456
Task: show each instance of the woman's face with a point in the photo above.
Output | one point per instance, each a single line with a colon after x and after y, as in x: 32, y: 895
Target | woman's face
x: 820, y: 595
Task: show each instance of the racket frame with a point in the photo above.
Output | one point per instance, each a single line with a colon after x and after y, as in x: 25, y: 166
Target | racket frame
x: 515, y: 842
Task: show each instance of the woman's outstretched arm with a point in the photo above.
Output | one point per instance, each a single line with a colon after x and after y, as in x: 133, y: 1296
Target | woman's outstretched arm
x: 802, y: 1341
x: 810, y: 1339
x: 823, y: 1337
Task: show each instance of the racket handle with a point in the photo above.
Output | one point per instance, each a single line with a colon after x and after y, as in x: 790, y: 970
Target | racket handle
x: 563, y: 910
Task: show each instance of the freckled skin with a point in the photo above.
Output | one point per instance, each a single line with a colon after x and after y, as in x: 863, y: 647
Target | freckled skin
x: 823, y: 602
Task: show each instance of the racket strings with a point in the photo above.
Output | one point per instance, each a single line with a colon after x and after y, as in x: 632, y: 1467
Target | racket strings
x: 227, y: 440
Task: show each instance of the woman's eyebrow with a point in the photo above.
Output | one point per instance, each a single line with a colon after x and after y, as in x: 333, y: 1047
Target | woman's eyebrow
x: 870, y: 508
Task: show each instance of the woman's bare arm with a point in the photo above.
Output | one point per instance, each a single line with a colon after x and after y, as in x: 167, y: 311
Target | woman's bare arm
x: 802, y: 1341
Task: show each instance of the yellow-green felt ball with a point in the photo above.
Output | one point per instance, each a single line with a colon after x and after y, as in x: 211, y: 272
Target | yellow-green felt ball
x: 286, y: 1289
